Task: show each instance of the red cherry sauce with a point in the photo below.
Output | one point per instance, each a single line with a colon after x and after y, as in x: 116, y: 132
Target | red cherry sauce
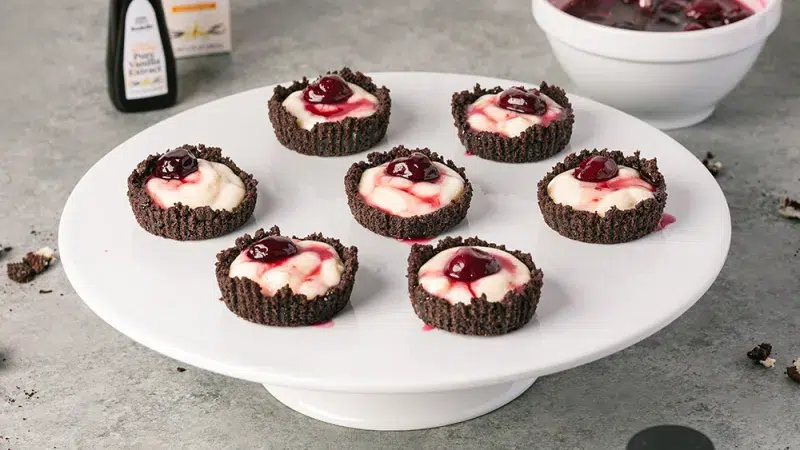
x: 596, y: 169
x: 427, y: 327
x: 272, y: 249
x: 176, y: 167
x: 470, y: 264
x: 328, y: 324
x: 663, y: 15
x: 666, y: 220
x: 416, y: 167
x: 517, y: 101
x: 523, y: 101
x: 328, y: 97
x: 415, y: 241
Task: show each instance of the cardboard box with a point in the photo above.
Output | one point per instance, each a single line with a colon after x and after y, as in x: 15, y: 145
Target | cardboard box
x: 198, y: 27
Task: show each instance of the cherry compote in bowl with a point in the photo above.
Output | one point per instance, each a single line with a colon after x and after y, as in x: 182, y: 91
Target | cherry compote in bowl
x: 668, y: 62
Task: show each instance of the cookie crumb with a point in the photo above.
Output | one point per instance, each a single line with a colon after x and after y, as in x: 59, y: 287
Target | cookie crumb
x: 793, y: 371
x: 760, y: 354
x: 31, y: 265
x: 711, y: 164
x: 789, y: 208
x: 181, y: 369
x: 45, y: 291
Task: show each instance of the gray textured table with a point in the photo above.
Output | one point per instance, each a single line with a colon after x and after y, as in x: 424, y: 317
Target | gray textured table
x: 95, y: 388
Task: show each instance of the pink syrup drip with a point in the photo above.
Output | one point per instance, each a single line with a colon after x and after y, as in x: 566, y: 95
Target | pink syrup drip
x: 339, y: 111
x: 427, y: 327
x: 666, y: 220
x: 415, y: 241
x: 328, y: 324
x: 469, y: 153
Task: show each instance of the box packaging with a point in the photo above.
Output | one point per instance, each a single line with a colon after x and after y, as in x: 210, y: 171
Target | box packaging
x: 199, y: 27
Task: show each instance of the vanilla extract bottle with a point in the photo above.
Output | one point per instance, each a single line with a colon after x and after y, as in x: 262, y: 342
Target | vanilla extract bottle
x: 139, y: 58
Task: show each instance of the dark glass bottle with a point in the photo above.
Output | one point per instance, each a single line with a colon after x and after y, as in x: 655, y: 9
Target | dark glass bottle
x: 139, y: 59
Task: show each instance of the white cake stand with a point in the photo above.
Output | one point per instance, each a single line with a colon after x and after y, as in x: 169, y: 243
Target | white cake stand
x: 376, y: 368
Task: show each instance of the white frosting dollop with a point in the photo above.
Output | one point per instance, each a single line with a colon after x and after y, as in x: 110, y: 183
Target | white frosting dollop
x: 315, y: 268
x: 485, y: 115
x: 212, y: 184
x: 623, y: 191
x: 405, y: 198
x: 360, y: 104
x: 512, y: 275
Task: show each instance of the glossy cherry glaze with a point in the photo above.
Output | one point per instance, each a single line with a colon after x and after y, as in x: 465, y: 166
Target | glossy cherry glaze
x: 470, y: 264
x: 664, y: 15
x: 417, y: 167
x: 523, y: 101
x: 596, y: 169
x: 272, y: 249
x: 175, y: 165
x: 329, y: 90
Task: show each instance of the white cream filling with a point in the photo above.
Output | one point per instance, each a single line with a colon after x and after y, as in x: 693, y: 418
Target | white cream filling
x: 212, y: 184
x: 306, y: 272
x: 512, y: 275
x: 624, y: 191
x: 360, y: 104
x: 485, y: 115
x: 405, y: 198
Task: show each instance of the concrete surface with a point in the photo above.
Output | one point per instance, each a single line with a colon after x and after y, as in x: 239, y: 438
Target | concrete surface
x: 96, y: 389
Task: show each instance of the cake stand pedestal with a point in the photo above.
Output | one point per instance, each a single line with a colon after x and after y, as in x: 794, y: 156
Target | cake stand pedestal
x: 398, y: 412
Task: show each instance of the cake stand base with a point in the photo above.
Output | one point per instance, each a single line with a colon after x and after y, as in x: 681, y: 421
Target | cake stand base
x: 398, y: 412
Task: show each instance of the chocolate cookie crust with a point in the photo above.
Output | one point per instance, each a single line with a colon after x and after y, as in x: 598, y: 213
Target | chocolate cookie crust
x: 416, y: 227
x: 345, y: 137
x: 181, y: 222
x: 480, y: 317
x: 284, y: 309
x: 618, y: 225
x: 534, y: 144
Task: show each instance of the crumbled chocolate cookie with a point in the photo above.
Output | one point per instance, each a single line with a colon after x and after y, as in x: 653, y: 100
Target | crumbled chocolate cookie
x: 713, y: 166
x: 20, y: 272
x: 181, y: 369
x: 31, y: 265
x: 793, y: 371
x: 760, y: 355
x: 789, y: 208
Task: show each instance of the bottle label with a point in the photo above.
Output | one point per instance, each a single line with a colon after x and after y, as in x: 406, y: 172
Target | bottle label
x: 143, y: 65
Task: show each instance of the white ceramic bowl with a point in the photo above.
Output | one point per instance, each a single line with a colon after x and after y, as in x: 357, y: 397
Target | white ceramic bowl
x: 671, y: 80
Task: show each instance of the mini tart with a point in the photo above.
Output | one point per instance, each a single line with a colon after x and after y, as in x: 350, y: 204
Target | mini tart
x: 415, y: 227
x: 345, y: 137
x: 480, y: 317
x: 617, y: 226
x: 181, y: 222
x: 284, y: 309
x: 534, y: 144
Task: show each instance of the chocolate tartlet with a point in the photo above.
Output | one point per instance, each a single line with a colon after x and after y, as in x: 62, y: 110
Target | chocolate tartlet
x: 414, y: 227
x: 480, y: 317
x: 285, y: 308
x: 536, y: 143
x: 336, y: 138
x: 181, y: 222
x: 618, y: 225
